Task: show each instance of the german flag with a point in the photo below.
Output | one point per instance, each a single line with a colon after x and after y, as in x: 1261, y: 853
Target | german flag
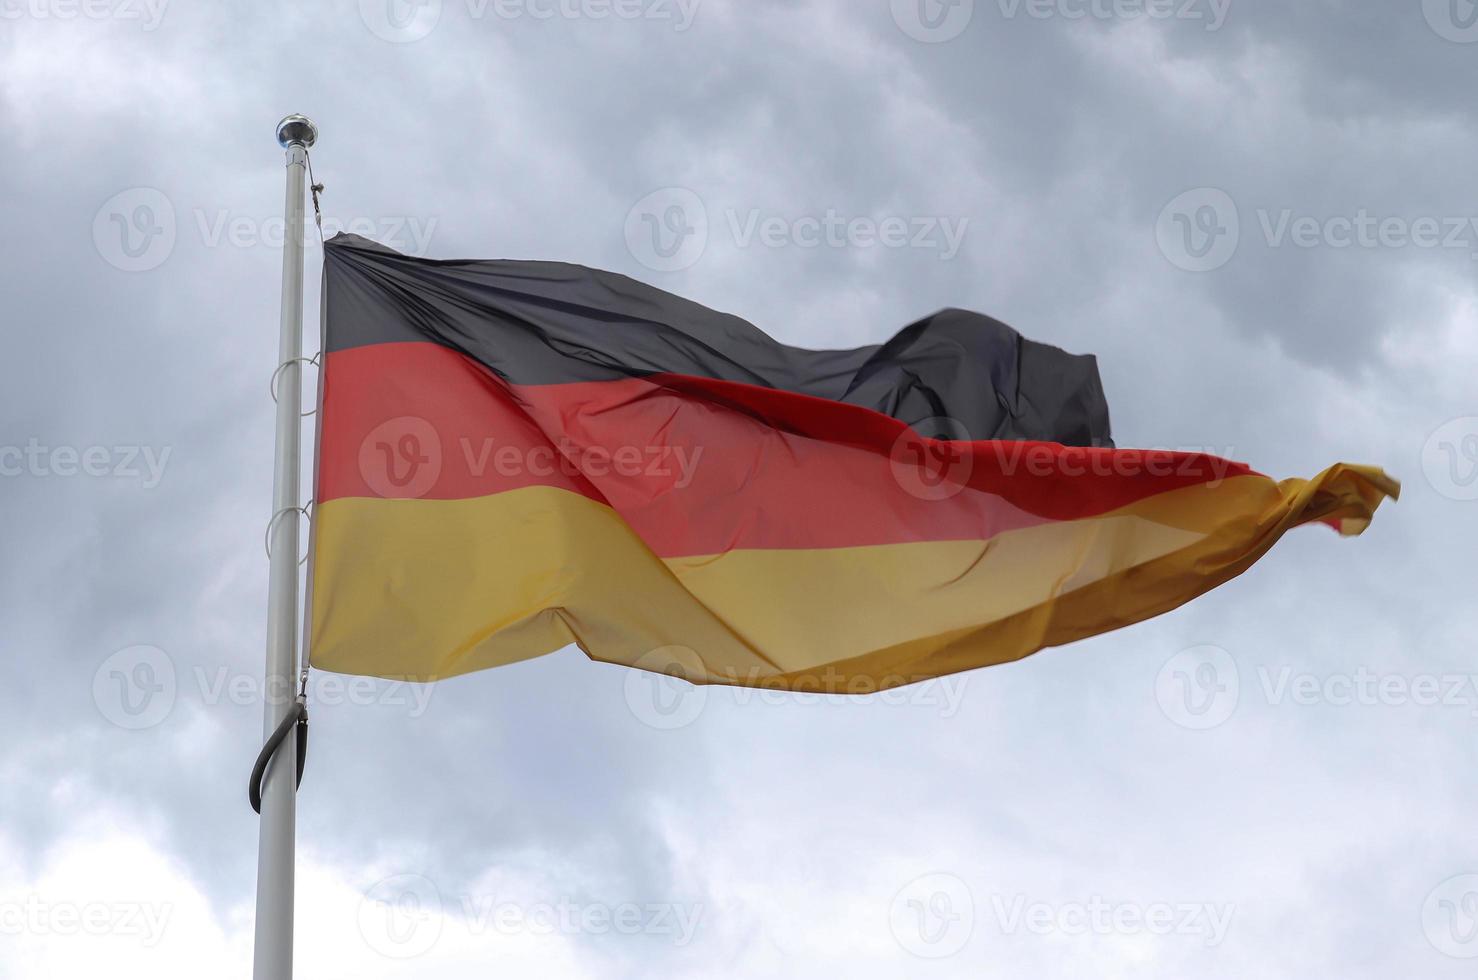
x: 517, y: 456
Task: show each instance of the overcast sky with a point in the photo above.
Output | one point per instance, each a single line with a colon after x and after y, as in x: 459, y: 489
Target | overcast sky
x: 1257, y: 213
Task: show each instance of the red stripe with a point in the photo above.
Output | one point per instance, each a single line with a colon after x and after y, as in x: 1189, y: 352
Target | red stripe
x: 698, y: 466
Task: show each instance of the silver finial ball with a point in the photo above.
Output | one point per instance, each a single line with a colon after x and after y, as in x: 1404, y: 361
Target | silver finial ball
x: 296, y: 129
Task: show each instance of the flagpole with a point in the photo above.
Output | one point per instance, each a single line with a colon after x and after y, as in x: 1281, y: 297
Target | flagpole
x: 273, y: 956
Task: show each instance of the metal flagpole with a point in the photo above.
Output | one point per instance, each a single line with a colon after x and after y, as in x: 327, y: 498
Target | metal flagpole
x: 273, y: 957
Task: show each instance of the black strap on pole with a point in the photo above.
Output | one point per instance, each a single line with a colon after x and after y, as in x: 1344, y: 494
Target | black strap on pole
x: 298, y: 716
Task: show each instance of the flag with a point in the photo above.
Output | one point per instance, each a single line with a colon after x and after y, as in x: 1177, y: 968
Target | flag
x: 516, y: 456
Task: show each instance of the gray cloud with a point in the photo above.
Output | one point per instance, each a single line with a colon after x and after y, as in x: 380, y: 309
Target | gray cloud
x: 1059, y: 142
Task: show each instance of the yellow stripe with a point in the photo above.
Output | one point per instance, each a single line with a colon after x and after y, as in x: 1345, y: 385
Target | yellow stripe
x: 809, y: 608
x: 433, y: 588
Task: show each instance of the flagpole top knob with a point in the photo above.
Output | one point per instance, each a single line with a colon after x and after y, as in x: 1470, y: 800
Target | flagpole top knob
x: 296, y: 129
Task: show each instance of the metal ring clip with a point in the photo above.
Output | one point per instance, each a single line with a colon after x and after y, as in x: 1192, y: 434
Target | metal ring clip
x: 306, y: 510
x: 316, y: 360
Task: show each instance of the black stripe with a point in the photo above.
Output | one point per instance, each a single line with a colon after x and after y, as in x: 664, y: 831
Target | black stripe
x: 550, y: 323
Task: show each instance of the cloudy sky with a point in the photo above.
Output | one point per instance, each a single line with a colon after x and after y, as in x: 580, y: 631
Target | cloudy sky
x: 1257, y: 213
